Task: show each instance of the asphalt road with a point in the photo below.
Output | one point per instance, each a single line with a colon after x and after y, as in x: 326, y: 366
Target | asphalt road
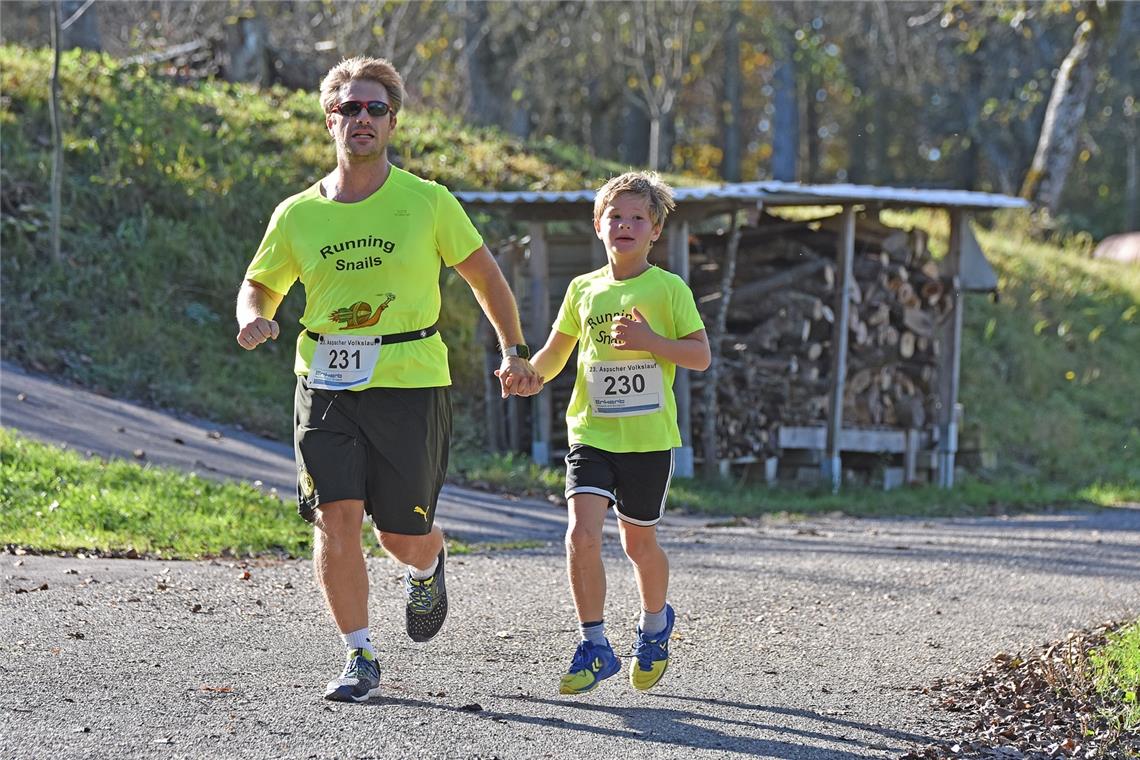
x: 793, y: 639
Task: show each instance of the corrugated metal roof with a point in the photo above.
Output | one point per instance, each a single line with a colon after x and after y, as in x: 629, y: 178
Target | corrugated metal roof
x: 772, y: 193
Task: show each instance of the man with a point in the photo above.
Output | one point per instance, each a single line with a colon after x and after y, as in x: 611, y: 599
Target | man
x: 372, y: 406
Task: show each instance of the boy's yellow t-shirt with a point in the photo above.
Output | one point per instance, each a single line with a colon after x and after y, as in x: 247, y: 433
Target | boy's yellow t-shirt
x: 370, y: 268
x: 591, y: 304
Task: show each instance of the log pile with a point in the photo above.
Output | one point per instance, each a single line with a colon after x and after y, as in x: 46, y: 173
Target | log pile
x: 776, y: 353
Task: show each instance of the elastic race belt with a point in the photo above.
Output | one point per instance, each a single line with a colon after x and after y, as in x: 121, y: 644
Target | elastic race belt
x: 403, y: 337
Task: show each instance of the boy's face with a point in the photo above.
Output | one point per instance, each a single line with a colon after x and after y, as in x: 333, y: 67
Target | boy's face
x: 626, y: 226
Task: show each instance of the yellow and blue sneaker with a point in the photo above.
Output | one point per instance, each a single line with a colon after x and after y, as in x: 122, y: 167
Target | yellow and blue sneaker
x: 360, y: 680
x: 592, y: 663
x: 651, y: 654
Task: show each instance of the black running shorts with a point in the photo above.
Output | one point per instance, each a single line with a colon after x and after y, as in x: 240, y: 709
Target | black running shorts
x: 636, y: 483
x: 385, y: 446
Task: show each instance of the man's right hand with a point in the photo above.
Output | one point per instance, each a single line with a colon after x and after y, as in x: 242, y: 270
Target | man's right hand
x: 257, y: 332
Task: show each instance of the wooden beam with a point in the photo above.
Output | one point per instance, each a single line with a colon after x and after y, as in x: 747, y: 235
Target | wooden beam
x: 677, y: 238
x: 950, y: 357
x: 845, y: 254
x: 536, y: 330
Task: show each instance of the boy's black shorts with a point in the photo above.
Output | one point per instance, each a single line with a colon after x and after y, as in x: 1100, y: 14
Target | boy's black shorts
x: 385, y: 446
x: 636, y: 483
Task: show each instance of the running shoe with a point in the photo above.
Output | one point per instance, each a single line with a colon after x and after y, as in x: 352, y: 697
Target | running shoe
x: 651, y: 654
x: 592, y: 663
x: 360, y: 680
x: 427, y: 603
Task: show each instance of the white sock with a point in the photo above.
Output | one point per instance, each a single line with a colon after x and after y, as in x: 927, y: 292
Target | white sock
x: 653, y: 622
x: 358, y: 640
x: 423, y: 575
x: 593, y: 632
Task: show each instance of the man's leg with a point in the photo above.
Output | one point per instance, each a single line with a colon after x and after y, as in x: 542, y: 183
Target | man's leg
x: 338, y: 563
x: 424, y: 579
x: 414, y: 551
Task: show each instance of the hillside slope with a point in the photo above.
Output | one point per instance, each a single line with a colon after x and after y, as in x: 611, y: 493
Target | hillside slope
x: 168, y: 189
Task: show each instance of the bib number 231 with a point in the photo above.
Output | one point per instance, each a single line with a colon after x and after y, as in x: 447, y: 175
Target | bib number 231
x: 625, y: 389
x: 343, y: 361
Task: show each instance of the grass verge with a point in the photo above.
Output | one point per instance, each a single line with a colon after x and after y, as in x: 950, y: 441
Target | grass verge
x: 56, y: 500
x: 518, y: 474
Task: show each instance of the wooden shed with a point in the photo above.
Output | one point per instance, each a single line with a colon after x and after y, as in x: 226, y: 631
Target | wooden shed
x: 560, y: 245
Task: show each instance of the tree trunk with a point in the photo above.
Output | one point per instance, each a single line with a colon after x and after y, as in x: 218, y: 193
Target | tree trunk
x: 56, y: 134
x: 79, y: 25
x: 786, y: 122
x: 247, y: 51
x: 634, y: 147
x: 731, y: 106
x: 711, y: 466
x: 654, y: 142
x: 1060, y: 131
x: 482, y: 95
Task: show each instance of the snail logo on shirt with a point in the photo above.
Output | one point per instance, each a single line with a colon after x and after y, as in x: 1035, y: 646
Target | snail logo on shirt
x: 360, y: 314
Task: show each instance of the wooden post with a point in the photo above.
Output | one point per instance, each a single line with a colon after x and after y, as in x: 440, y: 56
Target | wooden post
x: 677, y: 238
x: 536, y: 330
x: 831, y: 464
x: 950, y: 356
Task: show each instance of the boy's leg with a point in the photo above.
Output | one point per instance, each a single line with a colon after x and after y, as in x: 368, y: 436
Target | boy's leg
x: 594, y: 658
x: 651, y: 566
x: 587, y: 572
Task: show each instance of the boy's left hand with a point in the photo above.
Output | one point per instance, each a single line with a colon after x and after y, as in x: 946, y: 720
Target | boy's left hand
x: 633, y: 333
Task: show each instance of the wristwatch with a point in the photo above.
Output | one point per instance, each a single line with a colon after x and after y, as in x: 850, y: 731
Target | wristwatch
x: 520, y: 351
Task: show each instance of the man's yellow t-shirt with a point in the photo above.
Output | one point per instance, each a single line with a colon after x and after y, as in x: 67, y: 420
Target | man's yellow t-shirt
x: 591, y: 304
x: 370, y: 268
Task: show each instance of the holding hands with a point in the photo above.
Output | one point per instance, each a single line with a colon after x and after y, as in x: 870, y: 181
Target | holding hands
x: 517, y: 376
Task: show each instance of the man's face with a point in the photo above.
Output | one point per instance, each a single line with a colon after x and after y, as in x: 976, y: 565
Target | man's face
x: 363, y: 136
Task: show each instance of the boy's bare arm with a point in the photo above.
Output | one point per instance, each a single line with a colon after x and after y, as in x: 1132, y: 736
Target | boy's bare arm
x: 551, y: 358
x: 633, y: 333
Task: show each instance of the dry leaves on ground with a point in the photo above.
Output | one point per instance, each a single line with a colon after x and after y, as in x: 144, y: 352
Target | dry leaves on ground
x: 1037, y: 705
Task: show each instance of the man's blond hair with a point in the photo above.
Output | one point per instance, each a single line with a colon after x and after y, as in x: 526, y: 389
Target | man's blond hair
x: 648, y: 185
x: 376, y: 70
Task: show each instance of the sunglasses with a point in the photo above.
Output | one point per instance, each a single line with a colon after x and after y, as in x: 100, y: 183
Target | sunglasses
x: 351, y: 108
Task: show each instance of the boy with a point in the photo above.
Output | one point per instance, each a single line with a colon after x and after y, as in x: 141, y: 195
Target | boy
x: 633, y: 324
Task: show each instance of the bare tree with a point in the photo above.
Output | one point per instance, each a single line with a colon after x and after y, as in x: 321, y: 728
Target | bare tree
x: 657, y: 45
x: 1060, y: 131
x: 731, y: 106
x: 711, y: 466
x: 56, y: 132
x: 79, y: 26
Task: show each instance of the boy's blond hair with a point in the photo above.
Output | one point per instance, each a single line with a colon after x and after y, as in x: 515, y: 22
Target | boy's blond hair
x: 648, y: 185
x: 376, y: 70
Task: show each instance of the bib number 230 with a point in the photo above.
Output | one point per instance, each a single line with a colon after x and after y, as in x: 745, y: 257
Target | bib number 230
x: 625, y: 389
x: 344, y: 361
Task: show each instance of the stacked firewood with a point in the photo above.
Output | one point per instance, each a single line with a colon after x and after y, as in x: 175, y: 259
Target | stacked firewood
x: 776, y: 352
